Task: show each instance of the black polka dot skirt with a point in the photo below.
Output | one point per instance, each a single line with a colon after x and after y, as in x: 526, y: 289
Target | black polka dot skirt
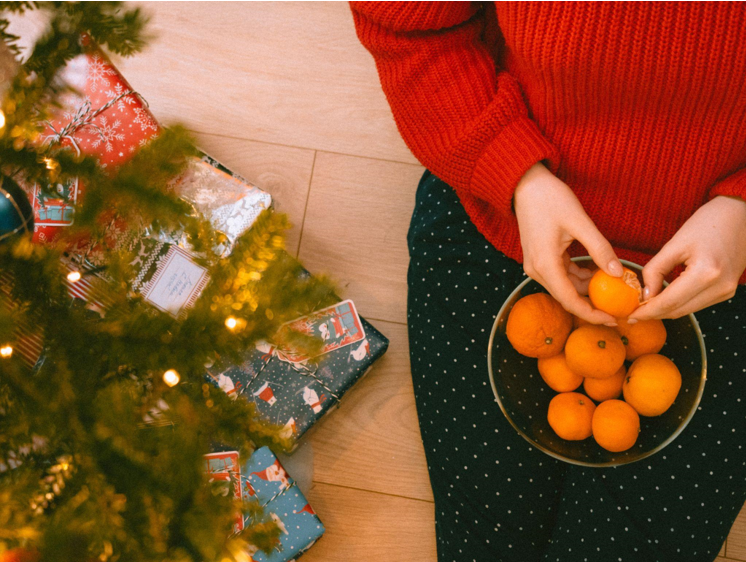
x: 499, y: 499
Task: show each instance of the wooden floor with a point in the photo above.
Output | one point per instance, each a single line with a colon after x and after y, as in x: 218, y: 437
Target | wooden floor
x: 284, y: 94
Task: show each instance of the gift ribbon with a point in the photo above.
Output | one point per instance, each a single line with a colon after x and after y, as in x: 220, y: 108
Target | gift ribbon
x: 306, y: 372
x: 84, y: 117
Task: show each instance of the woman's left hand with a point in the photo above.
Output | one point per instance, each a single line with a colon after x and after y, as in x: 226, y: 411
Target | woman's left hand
x: 712, y: 246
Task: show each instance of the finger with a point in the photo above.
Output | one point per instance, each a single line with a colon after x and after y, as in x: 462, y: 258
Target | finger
x: 704, y: 299
x: 561, y: 288
x: 655, y: 271
x: 579, y: 272
x: 581, y: 285
x: 684, y: 289
x: 599, y: 248
x: 574, y: 269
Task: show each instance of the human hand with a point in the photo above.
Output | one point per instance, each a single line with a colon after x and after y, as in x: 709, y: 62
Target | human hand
x: 712, y: 246
x: 550, y: 217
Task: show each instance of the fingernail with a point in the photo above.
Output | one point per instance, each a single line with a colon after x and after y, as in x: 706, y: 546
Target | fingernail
x: 615, y: 268
x: 611, y: 324
x: 632, y: 321
x: 646, y: 293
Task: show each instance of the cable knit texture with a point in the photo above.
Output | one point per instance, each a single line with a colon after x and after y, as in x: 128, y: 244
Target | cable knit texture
x: 639, y: 107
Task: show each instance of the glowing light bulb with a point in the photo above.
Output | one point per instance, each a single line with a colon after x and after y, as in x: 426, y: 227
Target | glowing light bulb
x: 2, y: 119
x: 231, y: 323
x: 51, y: 164
x: 6, y: 351
x: 73, y: 276
x: 171, y: 377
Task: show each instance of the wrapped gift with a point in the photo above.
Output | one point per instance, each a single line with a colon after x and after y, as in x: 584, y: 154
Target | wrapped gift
x: 228, y: 201
x: 265, y: 480
x: 104, y: 117
x: 296, y: 391
x: 224, y: 467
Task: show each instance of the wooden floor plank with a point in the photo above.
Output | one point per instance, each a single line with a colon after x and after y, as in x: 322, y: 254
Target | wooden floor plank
x: 291, y: 73
x: 356, y: 228
x: 282, y: 171
x: 373, y: 441
x: 736, y: 545
x: 370, y: 527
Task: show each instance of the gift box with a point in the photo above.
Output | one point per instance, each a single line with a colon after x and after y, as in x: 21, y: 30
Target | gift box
x: 224, y: 467
x: 296, y: 391
x: 266, y: 481
x: 103, y: 117
x: 227, y: 200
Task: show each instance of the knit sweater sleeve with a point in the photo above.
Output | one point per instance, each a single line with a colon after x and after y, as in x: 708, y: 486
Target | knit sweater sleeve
x: 461, y: 116
x: 733, y: 185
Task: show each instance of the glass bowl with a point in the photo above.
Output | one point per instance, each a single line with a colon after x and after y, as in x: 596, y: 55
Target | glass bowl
x: 524, y: 397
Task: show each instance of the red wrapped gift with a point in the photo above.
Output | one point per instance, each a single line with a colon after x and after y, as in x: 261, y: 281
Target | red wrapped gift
x: 105, y: 118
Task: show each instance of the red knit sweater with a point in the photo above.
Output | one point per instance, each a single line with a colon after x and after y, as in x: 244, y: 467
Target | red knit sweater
x: 639, y: 107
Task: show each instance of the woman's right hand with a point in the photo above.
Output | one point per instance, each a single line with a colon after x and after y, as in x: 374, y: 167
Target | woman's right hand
x: 550, y: 218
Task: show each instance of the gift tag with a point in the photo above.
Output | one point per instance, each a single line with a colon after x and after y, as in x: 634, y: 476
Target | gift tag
x: 337, y: 326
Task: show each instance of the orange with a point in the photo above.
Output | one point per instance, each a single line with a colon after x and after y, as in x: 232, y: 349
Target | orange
x: 618, y: 296
x: 570, y: 415
x: 616, y: 425
x: 594, y: 351
x: 652, y: 384
x: 605, y: 389
x: 577, y: 322
x: 641, y: 338
x: 538, y: 326
x: 557, y: 374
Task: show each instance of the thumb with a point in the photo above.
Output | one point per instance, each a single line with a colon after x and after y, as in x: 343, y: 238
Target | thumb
x: 655, y: 271
x: 599, y: 249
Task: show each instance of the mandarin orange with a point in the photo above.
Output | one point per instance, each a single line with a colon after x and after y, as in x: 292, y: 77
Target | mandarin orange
x: 557, y: 374
x: 570, y: 415
x: 618, y: 296
x: 615, y: 425
x: 538, y: 326
x: 652, y: 384
x: 594, y: 351
x: 605, y: 389
x: 642, y: 337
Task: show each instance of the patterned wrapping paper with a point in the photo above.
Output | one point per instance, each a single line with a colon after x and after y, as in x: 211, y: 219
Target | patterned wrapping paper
x: 105, y: 118
x: 297, y: 393
x: 264, y: 479
x: 224, y: 467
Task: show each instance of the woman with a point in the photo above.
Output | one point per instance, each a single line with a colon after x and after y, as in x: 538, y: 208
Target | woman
x: 559, y: 129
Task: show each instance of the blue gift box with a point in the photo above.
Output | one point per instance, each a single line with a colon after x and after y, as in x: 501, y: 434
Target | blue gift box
x: 297, y: 393
x: 265, y: 480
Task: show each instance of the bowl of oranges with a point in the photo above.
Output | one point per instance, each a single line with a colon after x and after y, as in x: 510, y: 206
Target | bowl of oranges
x: 595, y: 395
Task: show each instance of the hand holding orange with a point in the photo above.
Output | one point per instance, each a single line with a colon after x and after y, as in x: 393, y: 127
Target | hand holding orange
x: 618, y: 296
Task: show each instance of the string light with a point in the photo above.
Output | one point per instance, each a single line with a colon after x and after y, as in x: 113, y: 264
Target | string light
x: 73, y: 276
x: 51, y: 164
x: 2, y: 119
x: 171, y: 377
x: 6, y: 351
x: 233, y: 323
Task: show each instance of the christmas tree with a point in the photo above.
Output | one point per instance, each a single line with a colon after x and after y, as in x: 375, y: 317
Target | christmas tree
x: 102, y: 443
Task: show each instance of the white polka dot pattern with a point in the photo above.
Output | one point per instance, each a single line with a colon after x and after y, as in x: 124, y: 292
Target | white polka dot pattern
x: 496, y: 497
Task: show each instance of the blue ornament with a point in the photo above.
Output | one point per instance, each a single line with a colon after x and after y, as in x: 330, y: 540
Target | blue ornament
x: 16, y: 214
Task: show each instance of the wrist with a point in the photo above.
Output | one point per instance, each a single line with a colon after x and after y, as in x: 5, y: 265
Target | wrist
x: 534, y: 175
